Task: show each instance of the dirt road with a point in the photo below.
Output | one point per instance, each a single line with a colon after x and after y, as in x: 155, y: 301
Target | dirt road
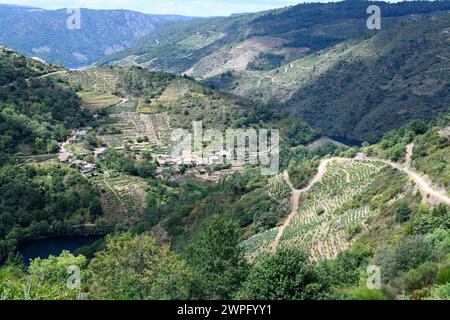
x: 51, y: 74
x: 428, y: 192
x: 295, y: 198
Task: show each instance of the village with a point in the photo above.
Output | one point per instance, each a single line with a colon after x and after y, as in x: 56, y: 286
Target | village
x: 186, y: 159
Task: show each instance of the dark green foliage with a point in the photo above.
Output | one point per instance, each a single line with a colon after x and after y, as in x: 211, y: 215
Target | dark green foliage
x: 135, y: 267
x: 346, y: 268
x: 35, y: 114
x: 259, y: 210
x: 285, y: 275
x: 266, y: 61
x: 432, y: 152
x: 300, y: 174
x: 216, y: 260
x: 126, y: 163
x: 37, y: 202
x: 422, y: 276
x: 409, y: 252
x: 440, y: 210
x: 431, y: 147
x: 15, y: 67
x: 443, y: 276
x: 241, y: 197
x: 140, y: 83
x: 427, y: 223
x: 353, y: 230
x: 44, y: 33
x: 403, y: 213
x: 296, y: 132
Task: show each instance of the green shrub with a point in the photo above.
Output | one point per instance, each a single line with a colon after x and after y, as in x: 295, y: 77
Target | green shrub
x: 440, y: 210
x: 352, y: 230
x: 421, y: 277
x: 409, y: 252
x: 403, y: 213
x: 443, y: 276
x: 363, y: 293
x: 284, y: 275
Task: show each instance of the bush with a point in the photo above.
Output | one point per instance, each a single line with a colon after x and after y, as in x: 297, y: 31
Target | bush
x: 403, y: 213
x: 443, y: 276
x: 421, y: 277
x: 285, y: 275
x: 352, y: 230
x: 440, y: 211
x: 409, y: 252
x: 363, y: 293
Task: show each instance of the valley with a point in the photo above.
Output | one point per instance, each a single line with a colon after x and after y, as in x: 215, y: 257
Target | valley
x: 89, y: 176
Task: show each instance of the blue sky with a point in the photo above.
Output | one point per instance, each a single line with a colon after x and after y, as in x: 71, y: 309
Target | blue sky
x: 182, y: 7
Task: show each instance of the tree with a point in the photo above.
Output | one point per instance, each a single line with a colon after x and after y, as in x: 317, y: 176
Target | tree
x: 135, y: 267
x: 440, y: 210
x: 422, y: 276
x: 217, y: 261
x: 52, y: 146
x: 409, y: 252
x: 403, y: 213
x: 285, y: 275
x: 46, y: 279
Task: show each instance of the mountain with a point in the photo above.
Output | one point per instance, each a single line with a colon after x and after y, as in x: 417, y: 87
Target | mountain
x: 81, y: 151
x: 353, y: 89
x: 318, y: 61
x: 45, y: 34
x: 35, y: 112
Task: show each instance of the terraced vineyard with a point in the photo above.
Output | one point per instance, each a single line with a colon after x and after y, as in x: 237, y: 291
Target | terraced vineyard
x: 135, y: 125
x: 95, y: 101
x: 279, y: 191
x: 278, y: 188
x: 99, y: 79
x: 259, y: 243
x: 317, y: 227
x: 324, y: 212
x: 123, y: 197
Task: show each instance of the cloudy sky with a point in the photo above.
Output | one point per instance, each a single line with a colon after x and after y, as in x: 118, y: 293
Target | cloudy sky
x: 183, y: 7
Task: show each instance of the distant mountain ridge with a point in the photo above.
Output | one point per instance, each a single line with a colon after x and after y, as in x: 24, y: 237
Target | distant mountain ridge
x: 319, y: 61
x: 44, y: 33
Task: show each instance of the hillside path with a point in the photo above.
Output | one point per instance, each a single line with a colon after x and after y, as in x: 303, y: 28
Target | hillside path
x: 425, y: 188
x: 52, y: 74
x: 295, y: 198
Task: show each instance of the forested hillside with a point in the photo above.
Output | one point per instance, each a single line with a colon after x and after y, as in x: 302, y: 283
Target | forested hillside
x: 36, y: 115
x: 319, y: 61
x: 90, y: 153
x: 36, y: 112
x: 44, y: 33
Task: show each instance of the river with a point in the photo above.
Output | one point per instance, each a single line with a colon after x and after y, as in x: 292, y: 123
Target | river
x: 53, y: 246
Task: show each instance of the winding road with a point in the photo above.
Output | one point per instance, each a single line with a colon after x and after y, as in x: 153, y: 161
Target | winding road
x: 428, y: 192
x: 295, y: 198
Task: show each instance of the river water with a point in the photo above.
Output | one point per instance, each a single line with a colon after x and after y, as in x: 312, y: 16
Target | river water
x: 53, y: 246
